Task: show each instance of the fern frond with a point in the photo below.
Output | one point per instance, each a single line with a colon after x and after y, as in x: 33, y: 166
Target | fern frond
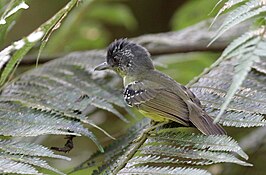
x: 242, y: 40
x: 59, y: 96
x: 212, y: 142
x: 10, y: 166
x: 157, y: 159
x: 248, y: 105
x: 250, y: 9
x: 166, y: 148
x: 13, y: 54
x: 247, y: 54
x: 29, y: 149
x: 43, y: 123
x: 227, y: 5
x: 190, y: 154
x: 239, y: 119
x: 34, y: 161
x: 162, y: 170
x: 115, y: 152
x: 13, y: 7
x: 21, y: 157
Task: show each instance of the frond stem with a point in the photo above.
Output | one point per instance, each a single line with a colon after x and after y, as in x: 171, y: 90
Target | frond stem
x: 136, y: 145
x: 130, y: 153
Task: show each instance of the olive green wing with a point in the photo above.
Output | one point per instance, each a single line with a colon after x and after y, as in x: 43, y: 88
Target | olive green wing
x: 157, y: 101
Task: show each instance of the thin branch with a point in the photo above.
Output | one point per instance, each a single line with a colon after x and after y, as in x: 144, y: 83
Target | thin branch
x: 191, y: 39
x: 130, y: 153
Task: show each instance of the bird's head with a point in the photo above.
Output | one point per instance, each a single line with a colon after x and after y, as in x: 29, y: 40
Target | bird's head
x: 126, y: 58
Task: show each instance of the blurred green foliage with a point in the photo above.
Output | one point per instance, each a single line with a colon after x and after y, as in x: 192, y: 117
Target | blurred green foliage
x: 184, y: 67
x: 193, y: 12
x: 85, y: 27
x: 94, y: 24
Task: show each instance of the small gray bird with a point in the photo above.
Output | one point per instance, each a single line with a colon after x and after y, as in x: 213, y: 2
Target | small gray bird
x: 153, y: 93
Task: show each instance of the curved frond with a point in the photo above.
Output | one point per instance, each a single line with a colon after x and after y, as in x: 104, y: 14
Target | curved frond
x: 59, y: 96
x: 114, y: 152
x: 22, y: 157
x: 227, y: 5
x: 180, y: 155
x: 166, y: 148
x: 163, y: 171
x: 13, y: 7
x: 29, y: 149
x: 10, y: 166
x: 242, y: 69
x: 212, y: 142
x: 26, y: 160
x: 248, y: 39
x: 247, y: 106
x: 12, y: 55
x: 248, y: 10
x: 249, y: 48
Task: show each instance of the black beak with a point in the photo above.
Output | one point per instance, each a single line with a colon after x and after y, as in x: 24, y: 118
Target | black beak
x: 102, y: 66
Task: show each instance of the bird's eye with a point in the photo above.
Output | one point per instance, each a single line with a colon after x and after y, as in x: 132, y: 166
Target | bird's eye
x: 116, y: 59
x: 129, y: 64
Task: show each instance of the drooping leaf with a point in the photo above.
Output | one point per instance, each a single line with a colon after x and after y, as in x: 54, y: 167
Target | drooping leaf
x: 249, y: 48
x: 63, y: 92
x: 10, y: 166
x: 164, y: 149
x: 241, y: 71
x: 12, y: 55
x: 212, y: 143
x: 26, y: 160
x: 248, y: 10
x: 22, y: 157
x: 247, y: 106
x: 227, y: 5
x: 9, y: 16
x: 162, y: 171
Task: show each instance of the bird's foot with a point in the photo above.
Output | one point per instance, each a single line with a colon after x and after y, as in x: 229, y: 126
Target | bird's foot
x: 153, y: 126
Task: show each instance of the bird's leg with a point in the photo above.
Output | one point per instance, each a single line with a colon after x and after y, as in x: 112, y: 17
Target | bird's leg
x: 153, y: 126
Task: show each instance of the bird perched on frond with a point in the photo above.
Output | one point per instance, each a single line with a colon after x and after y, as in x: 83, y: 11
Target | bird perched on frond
x: 153, y: 93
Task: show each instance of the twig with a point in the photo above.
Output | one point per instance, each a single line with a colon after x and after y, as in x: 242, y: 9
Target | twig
x: 191, y: 39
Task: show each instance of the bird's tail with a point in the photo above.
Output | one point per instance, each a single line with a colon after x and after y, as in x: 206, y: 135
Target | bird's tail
x: 203, y: 121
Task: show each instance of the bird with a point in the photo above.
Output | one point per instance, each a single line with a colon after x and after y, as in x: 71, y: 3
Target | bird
x: 153, y: 93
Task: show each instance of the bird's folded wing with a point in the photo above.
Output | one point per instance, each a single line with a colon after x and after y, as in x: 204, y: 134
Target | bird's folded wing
x: 156, y: 100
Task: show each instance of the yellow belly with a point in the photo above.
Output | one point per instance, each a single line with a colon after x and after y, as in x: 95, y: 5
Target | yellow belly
x: 153, y: 116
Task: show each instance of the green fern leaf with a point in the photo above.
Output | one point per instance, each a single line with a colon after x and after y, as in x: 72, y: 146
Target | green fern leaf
x: 227, y: 5
x: 9, y: 166
x: 30, y: 149
x: 246, y: 108
x: 166, y: 148
x: 241, y: 72
x: 239, y: 41
x: 21, y: 157
x: 190, y: 154
x: 31, y: 161
x: 162, y: 170
x: 242, y: 13
x: 240, y: 119
x: 115, y: 151
x: 212, y: 142
x: 10, y: 14
x: 13, y: 54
